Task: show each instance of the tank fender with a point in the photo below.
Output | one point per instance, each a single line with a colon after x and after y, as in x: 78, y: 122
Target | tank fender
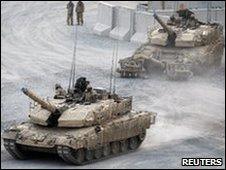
x: 10, y: 134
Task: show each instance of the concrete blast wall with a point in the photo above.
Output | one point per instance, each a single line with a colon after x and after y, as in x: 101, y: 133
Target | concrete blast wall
x: 124, y: 23
x: 142, y: 22
x: 104, y: 19
x: 217, y: 15
x: 127, y: 24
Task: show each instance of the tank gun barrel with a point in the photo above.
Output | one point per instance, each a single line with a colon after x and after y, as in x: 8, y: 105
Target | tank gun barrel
x: 165, y: 27
x: 40, y: 101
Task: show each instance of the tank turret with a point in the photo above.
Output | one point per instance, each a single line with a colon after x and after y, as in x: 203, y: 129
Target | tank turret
x: 67, y: 113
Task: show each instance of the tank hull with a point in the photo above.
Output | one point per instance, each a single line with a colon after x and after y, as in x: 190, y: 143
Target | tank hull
x: 193, y: 61
x: 80, y: 145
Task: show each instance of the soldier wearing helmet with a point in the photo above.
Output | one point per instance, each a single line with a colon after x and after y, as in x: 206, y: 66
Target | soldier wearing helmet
x: 60, y: 93
x: 89, y: 95
x: 184, y: 14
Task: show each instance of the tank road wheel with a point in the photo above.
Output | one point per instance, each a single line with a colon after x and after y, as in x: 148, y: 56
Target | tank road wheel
x: 89, y: 154
x: 106, y: 150
x: 79, y: 156
x: 63, y: 153
x: 142, y: 135
x: 70, y: 155
x: 126, y: 75
x: 115, y: 147
x: 133, y: 143
x: 137, y: 75
x: 123, y: 74
x: 124, y: 145
x: 98, y: 153
x: 14, y: 150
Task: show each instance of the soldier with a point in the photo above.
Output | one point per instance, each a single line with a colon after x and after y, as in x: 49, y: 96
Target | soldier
x: 185, y: 14
x: 77, y: 93
x: 79, y: 10
x: 89, y: 95
x: 81, y: 85
x: 70, y: 9
x: 60, y: 93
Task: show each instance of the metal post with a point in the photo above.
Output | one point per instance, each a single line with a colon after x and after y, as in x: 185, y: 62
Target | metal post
x: 163, y: 5
x: 209, y: 5
x: 149, y: 6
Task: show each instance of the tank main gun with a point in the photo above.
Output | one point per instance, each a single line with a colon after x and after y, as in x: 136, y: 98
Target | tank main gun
x: 165, y: 27
x: 171, y: 34
x: 55, y: 112
x: 40, y: 101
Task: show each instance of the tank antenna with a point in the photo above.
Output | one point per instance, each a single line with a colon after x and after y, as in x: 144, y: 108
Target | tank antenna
x: 73, y: 64
x: 116, y: 59
x: 209, y: 6
x: 112, y: 68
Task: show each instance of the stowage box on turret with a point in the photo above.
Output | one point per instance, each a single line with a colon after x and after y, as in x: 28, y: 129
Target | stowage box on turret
x: 82, y: 126
x: 182, y: 47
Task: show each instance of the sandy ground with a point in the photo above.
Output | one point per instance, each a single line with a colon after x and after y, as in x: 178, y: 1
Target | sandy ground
x: 36, y: 53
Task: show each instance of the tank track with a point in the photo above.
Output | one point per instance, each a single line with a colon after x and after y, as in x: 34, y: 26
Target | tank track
x: 125, y: 74
x: 14, y: 150
x: 69, y: 155
x: 81, y: 157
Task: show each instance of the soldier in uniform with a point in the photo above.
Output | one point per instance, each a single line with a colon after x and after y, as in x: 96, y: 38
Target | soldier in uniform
x: 89, y: 95
x: 185, y: 14
x: 79, y: 11
x: 60, y: 93
x: 77, y: 93
x: 70, y: 9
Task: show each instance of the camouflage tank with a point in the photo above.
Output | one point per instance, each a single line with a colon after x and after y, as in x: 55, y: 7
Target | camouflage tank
x: 81, y: 126
x: 181, y: 48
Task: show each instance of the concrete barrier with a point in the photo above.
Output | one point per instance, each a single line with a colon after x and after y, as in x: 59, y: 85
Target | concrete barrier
x: 217, y: 15
x: 175, y: 4
x: 143, y: 21
x: 104, y: 19
x: 123, y: 21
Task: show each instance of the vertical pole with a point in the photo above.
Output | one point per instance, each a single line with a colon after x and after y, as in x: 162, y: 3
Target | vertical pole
x: 163, y: 5
x: 175, y: 6
x: 209, y: 5
x: 149, y: 6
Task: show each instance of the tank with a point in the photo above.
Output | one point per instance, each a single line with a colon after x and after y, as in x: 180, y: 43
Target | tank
x: 82, y: 126
x: 179, y: 49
